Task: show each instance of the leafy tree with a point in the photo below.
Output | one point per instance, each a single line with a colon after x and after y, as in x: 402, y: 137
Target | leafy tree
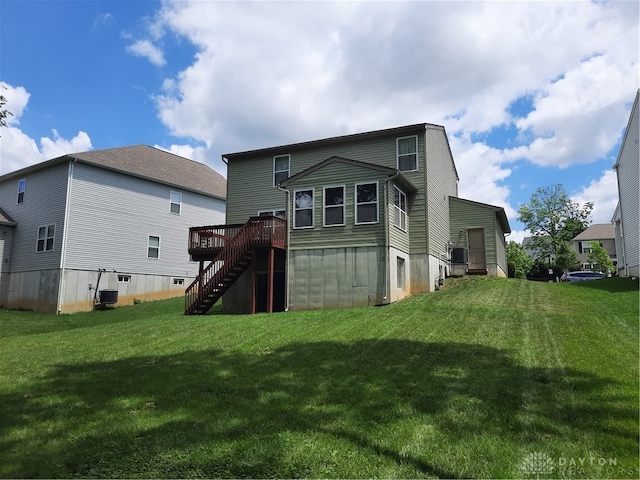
x: 553, y: 218
x: 566, y: 257
x: 517, y: 260
x: 3, y: 112
x: 599, y: 257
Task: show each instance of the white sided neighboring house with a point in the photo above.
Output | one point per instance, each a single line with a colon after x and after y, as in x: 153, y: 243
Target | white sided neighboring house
x: 626, y: 219
x: 120, y: 216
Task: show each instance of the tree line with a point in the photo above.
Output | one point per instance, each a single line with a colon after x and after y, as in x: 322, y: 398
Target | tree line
x: 553, y: 220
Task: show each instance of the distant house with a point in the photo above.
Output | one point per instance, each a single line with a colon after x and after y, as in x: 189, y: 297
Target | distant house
x: 626, y: 217
x: 603, y: 233
x: 355, y: 220
x: 114, y: 219
x: 535, y: 253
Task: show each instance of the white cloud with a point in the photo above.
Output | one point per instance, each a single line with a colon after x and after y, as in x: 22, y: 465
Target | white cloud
x: 146, y: 49
x: 267, y: 73
x: 603, y: 192
x: 18, y: 150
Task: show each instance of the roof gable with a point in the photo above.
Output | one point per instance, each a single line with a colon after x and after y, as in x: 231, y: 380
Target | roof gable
x: 399, y: 177
x: 499, y: 211
x: 149, y: 163
x: 599, y: 231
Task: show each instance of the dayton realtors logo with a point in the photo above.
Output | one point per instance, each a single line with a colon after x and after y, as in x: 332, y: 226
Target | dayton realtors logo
x: 539, y: 465
x: 536, y: 464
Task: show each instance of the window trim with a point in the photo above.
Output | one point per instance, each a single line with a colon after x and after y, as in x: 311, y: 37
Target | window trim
x: 20, y: 200
x: 313, y: 207
x: 397, y: 209
x: 325, y: 206
x: 356, y: 204
x: 274, y: 171
x: 172, y: 203
x: 149, y: 237
x: 398, y: 153
x: 46, y: 238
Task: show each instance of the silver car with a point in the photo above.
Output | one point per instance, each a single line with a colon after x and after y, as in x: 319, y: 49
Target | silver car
x: 581, y: 276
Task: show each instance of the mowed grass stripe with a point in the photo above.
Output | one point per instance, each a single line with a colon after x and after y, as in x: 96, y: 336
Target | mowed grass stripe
x: 464, y: 382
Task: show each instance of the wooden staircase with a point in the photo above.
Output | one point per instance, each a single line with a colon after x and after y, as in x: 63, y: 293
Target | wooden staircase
x: 234, y: 256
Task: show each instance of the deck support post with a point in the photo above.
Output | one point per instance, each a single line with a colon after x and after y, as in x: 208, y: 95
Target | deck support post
x: 253, y: 282
x: 270, y: 280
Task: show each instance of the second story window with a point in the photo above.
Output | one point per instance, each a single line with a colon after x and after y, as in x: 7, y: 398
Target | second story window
x: 46, y: 236
x: 399, y: 209
x: 407, y: 153
x: 333, y: 206
x: 22, y: 187
x: 303, y: 209
x: 281, y: 164
x: 366, y: 203
x: 175, y: 200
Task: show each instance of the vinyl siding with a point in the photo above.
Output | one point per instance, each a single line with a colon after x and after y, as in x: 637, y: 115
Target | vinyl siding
x: 441, y: 183
x: 465, y: 216
x: 501, y: 248
x: 250, y: 179
x: 111, y: 216
x: 44, y: 204
x: 398, y: 238
x: 629, y: 188
x: 335, y: 174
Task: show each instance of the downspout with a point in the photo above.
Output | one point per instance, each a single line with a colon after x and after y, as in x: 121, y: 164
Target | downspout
x: 387, y: 247
x: 287, y: 255
x: 65, y: 228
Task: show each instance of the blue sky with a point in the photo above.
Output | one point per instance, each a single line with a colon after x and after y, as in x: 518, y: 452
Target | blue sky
x: 530, y: 93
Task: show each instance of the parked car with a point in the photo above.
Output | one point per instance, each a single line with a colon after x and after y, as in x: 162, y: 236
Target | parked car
x: 581, y: 276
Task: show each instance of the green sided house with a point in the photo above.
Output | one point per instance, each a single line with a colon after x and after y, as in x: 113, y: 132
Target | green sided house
x: 356, y: 220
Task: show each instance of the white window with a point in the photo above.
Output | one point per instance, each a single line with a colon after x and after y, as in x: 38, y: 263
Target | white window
x: 124, y: 278
x: 333, y: 206
x: 153, y: 247
x: 400, y: 273
x: 399, y: 209
x: 366, y: 203
x: 22, y: 187
x: 280, y: 168
x: 303, y: 209
x: 46, y: 237
x: 175, y: 200
x: 276, y: 213
x: 178, y: 281
x: 407, y: 153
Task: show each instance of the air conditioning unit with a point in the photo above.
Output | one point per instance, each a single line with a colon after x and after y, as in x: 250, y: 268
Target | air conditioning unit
x: 459, y: 255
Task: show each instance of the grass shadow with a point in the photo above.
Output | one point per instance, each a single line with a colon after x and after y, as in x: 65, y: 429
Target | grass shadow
x: 612, y: 285
x: 326, y: 409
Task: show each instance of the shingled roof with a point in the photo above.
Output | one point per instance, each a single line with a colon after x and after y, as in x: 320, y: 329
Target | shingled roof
x: 156, y: 164
x: 5, y: 219
x: 598, y: 231
x: 150, y: 163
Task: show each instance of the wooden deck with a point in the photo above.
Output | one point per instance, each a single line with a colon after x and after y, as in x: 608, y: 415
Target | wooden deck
x: 206, y: 242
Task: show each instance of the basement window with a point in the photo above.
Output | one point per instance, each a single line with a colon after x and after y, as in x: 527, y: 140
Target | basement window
x: 178, y: 281
x: 124, y: 278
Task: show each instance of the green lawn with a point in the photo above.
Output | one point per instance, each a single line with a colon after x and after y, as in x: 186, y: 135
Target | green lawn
x: 487, y: 378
